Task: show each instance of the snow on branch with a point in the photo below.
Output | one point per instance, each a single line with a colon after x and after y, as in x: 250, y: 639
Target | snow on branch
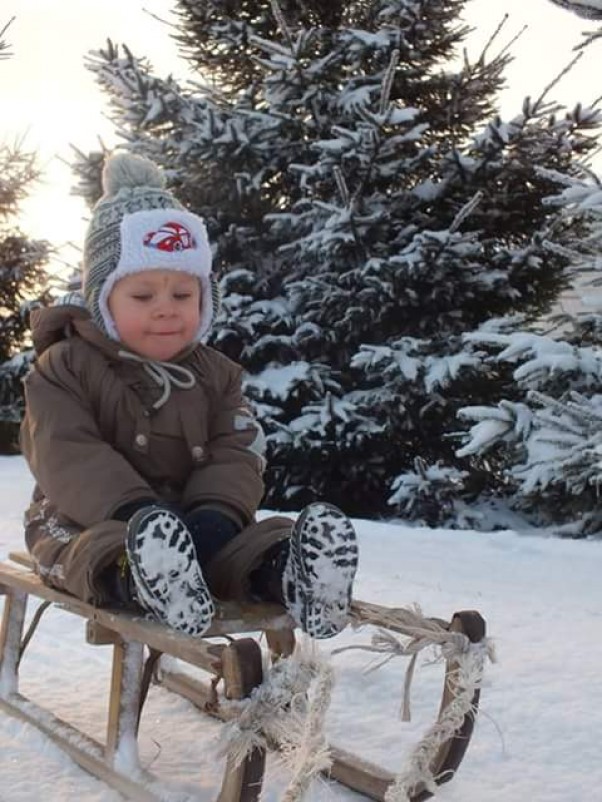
x: 565, y: 448
x: 543, y: 358
x: 466, y: 211
x: 560, y: 441
x: 587, y: 9
x: 387, y: 359
x: 507, y: 422
x: 387, y: 85
x: 440, y: 371
x: 425, y: 483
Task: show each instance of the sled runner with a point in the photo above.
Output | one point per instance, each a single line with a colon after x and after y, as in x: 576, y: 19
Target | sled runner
x: 237, y: 669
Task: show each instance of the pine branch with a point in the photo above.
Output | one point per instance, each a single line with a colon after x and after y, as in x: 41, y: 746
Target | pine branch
x: 466, y: 211
x: 282, y: 24
x: 5, y: 51
x: 387, y: 84
x: 587, y: 9
x: 555, y: 81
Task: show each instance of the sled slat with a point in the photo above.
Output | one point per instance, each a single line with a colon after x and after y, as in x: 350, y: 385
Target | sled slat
x: 201, y: 694
x: 124, y: 701
x: 22, y: 558
x: 347, y: 768
x: 192, y: 650
x: 83, y: 750
x: 358, y: 774
x: 281, y: 642
x: 242, y: 671
x: 230, y: 617
x: 11, y: 633
x: 97, y: 635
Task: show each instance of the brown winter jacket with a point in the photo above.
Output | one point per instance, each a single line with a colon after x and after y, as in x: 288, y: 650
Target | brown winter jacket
x: 94, y: 441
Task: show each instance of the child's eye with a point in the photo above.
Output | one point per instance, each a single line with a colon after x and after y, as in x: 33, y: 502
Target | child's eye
x: 141, y: 297
x: 182, y: 296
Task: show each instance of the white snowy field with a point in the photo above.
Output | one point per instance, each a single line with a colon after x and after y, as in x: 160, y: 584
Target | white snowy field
x: 536, y: 739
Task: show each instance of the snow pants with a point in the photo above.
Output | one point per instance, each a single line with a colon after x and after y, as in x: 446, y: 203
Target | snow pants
x: 83, y: 562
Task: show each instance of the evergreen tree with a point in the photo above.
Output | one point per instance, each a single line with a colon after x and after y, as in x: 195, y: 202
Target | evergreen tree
x: 22, y: 280
x: 369, y: 209
x: 548, y: 445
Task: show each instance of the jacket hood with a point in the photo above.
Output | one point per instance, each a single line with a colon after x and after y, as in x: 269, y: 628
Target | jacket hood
x: 51, y: 324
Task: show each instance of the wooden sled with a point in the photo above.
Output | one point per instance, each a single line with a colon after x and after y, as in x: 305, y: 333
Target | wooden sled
x: 238, y: 663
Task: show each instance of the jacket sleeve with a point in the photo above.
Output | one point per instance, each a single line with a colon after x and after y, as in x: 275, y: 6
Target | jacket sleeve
x: 230, y: 478
x: 84, y: 476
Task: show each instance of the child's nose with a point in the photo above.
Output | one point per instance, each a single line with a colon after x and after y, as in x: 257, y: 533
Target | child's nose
x: 165, y: 307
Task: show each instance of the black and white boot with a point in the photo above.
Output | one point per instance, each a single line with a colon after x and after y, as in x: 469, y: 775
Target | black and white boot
x: 167, y: 577
x: 320, y: 569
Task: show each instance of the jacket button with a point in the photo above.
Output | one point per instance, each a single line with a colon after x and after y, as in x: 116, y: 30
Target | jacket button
x: 198, y: 452
x: 141, y: 440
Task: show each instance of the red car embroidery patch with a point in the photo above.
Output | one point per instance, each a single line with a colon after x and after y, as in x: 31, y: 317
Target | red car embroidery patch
x: 170, y: 237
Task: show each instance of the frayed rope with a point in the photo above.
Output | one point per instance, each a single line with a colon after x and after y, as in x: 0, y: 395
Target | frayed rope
x: 467, y: 678
x: 421, y: 632
x: 469, y: 659
x: 288, y: 710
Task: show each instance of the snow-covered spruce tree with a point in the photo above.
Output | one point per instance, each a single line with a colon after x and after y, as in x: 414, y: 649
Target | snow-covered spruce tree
x: 549, y: 444
x: 22, y: 279
x: 368, y: 209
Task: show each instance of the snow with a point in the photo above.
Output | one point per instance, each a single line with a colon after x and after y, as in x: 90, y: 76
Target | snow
x: 280, y: 379
x: 441, y: 371
x: 536, y: 738
x: 543, y: 356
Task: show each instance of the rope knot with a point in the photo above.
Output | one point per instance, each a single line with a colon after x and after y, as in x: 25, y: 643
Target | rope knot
x: 165, y: 374
x: 288, y: 708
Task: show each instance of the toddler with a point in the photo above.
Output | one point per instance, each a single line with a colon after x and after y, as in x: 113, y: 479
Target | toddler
x: 148, y: 461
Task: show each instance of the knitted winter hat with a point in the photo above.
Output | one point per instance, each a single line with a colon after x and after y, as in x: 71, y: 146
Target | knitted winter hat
x: 138, y: 225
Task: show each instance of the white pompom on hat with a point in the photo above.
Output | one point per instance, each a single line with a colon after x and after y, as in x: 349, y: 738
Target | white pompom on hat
x: 138, y: 225
x: 128, y: 171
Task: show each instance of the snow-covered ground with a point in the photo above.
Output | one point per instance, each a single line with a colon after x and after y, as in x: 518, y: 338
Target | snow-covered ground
x: 537, y: 738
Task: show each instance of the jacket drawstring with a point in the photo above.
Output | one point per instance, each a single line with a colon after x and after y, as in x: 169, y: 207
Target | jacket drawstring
x: 165, y: 374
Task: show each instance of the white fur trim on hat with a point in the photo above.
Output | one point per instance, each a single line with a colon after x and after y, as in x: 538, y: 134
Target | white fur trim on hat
x: 162, y: 239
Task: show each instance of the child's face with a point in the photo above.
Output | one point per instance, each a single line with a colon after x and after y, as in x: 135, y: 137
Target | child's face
x: 156, y: 312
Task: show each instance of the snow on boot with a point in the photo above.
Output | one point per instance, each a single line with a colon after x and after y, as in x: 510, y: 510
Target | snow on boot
x: 319, y: 571
x: 166, y: 573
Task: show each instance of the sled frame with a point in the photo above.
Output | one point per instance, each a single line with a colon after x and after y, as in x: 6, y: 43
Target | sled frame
x: 237, y: 663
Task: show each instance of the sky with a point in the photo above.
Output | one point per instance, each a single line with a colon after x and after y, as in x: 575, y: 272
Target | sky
x: 537, y: 735
x: 50, y: 101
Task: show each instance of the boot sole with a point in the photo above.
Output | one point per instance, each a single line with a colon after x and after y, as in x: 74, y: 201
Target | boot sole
x: 166, y: 574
